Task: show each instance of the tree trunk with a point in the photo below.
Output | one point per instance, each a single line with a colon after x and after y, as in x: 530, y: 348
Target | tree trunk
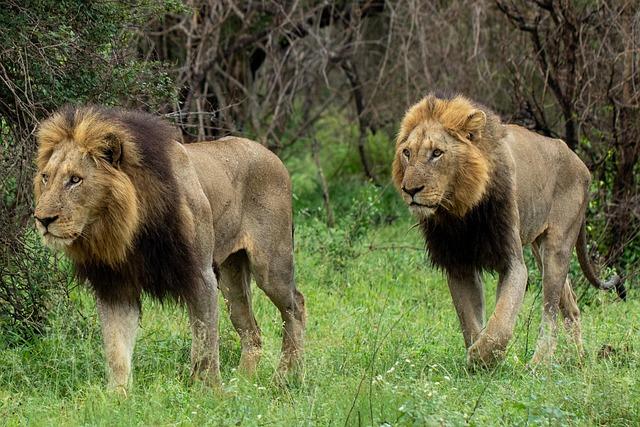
x: 315, y: 150
x: 363, y: 122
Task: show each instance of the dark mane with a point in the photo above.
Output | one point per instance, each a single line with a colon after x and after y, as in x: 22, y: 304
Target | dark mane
x: 481, y: 239
x: 161, y: 262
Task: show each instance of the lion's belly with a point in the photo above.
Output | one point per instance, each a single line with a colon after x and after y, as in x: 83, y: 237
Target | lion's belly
x: 534, y: 205
x: 213, y: 198
x: 226, y: 220
x: 249, y: 193
x: 533, y: 222
x: 228, y: 239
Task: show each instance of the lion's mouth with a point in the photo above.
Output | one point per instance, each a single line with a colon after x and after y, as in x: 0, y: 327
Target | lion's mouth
x: 422, y: 210
x: 55, y: 236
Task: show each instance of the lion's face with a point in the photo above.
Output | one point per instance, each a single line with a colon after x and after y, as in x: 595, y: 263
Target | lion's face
x: 439, y: 163
x: 69, y: 190
x: 86, y: 203
x: 429, y: 159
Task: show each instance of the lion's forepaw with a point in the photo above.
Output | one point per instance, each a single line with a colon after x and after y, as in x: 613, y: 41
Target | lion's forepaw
x: 539, y: 358
x: 249, y: 363
x: 484, y: 354
x: 118, y: 390
x: 290, y: 374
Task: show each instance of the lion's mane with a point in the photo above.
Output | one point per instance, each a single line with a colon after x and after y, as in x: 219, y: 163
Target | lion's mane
x: 477, y: 238
x: 137, y: 242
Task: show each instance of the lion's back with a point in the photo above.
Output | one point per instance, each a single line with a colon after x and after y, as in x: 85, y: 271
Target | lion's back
x: 237, y: 157
x: 544, y: 160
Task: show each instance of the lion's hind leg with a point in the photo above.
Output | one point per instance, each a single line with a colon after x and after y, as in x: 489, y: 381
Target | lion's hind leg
x: 568, y: 304
x: 571, y: 314
x: 275, y: 277
x: 235, y: 284
x: 555, y: 247
x: 557, y: 293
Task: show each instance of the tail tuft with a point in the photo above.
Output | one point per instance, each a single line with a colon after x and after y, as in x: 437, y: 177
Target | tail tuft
x: 616, y: 282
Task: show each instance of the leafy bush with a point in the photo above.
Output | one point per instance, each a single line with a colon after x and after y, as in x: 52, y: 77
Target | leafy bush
x: 31, y: 280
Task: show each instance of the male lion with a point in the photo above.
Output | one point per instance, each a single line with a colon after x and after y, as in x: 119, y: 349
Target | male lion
x: 482, y: 189
x: 137, y: 211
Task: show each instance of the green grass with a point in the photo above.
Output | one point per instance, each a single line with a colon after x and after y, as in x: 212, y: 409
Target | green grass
x: 383, y: 345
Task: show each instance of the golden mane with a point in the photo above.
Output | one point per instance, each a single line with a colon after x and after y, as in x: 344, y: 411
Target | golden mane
x: 457, y: 115
x: 134, y: 241
x: 97, y: 135
x: 89, y: 129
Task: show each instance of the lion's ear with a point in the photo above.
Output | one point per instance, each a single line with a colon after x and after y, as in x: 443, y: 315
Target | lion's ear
x: 474, y: 124
x: 113, y: 150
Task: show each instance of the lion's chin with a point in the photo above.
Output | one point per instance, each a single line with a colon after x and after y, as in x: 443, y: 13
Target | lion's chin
x: 422, y: 211
x: 57, y: 243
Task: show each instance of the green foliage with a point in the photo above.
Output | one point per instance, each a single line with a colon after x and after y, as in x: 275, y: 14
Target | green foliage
x: 337, y: 139
x: 358, y: 206
x: 31, y: 281
x: 74, y: 51
x: 598, y: 221
x: 364, y: 212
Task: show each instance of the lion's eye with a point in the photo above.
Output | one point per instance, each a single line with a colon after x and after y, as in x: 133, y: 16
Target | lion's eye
x: 436, y: 153
x: 406, y: 152
x: 75, y: 179
x: 45, y: 178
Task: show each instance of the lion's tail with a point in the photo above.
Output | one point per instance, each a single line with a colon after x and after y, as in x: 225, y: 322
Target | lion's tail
x: 616, y: 282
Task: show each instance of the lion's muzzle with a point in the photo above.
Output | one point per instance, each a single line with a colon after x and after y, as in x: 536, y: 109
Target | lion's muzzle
x: 422, y: 203
x: 46, y: 220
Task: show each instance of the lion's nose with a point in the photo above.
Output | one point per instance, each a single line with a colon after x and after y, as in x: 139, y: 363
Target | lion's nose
x: 412, y: 191
x: 47, y: 220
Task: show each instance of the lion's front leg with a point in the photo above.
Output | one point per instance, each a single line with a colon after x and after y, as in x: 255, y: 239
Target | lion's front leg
x: 467, y: 294
x: 203, y: 314
x: 492, y: 342
x: 119, y: 320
